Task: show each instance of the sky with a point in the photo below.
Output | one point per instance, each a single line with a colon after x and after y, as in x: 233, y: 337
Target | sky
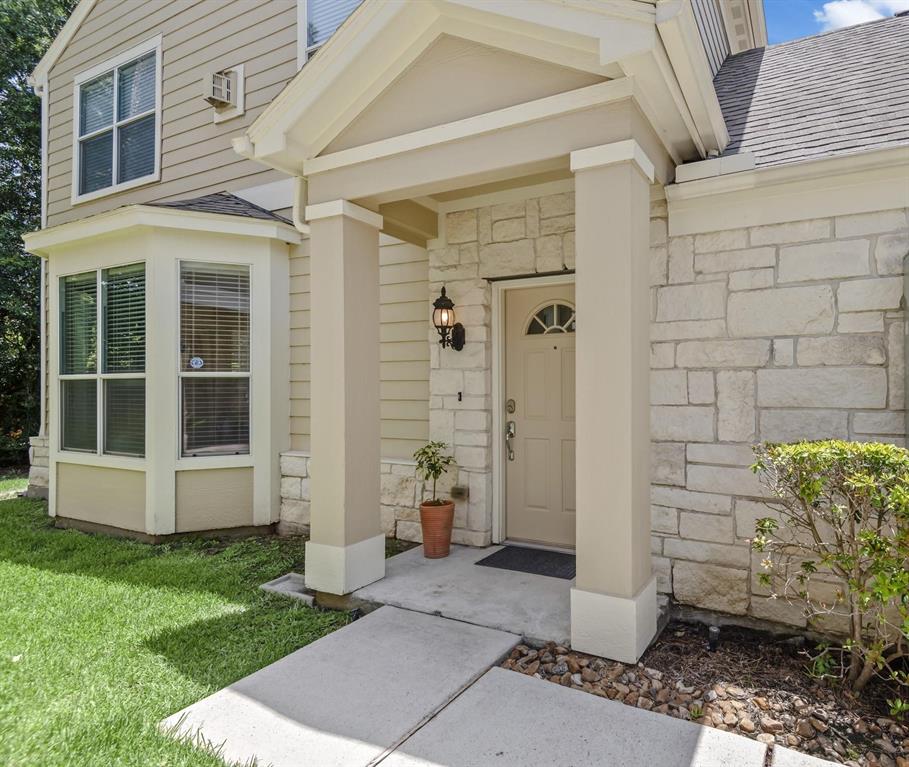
x: 790, y: 19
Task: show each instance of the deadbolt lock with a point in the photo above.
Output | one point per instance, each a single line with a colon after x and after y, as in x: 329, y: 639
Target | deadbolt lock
x: 509, y: 406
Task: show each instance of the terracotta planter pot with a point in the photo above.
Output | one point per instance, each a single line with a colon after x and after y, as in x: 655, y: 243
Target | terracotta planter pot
x: 436, y: 521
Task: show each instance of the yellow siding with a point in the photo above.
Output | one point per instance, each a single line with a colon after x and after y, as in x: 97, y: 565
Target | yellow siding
x: 112, y: 497
x: 404, y: 349
x: 214, y: 499
x: 198, y: 37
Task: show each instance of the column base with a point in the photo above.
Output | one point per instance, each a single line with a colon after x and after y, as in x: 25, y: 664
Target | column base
x: 614, y: 627
x: 343, y: 569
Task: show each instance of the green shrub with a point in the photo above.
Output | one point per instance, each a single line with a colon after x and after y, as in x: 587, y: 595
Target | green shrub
x: 432, y: 463
x: 838, y: 544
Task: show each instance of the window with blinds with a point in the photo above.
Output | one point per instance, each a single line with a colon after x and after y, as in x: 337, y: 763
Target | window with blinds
x: 116, y: 142
x: 323, y: 17
x: 106, y: 399
x: 214, y: 358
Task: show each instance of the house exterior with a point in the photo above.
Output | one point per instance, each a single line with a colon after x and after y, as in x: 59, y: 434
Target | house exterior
x: 665, y: 241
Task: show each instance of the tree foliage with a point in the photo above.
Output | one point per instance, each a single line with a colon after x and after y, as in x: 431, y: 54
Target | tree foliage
x: 27, y: 28
x: 838, y: 544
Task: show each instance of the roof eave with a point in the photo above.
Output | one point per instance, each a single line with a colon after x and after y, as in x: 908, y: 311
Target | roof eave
x: 63, y: 38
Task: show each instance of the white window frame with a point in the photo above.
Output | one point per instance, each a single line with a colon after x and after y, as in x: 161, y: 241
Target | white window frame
x: 213, y: 460
x: 98, y: 376
x: 149, y: 46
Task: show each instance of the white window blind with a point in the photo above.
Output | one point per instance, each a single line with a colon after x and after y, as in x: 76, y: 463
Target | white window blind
x: 79, y: 403
x: 118, y: 125
x: 78, y: 323
x: 109, y: 401
x: 214, y: 358
x: 323, y: 17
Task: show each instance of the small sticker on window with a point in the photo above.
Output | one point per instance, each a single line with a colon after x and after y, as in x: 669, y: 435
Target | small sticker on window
x: 196, y: 363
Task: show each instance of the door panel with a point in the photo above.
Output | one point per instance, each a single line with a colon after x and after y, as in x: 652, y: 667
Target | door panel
x: 539, y: 378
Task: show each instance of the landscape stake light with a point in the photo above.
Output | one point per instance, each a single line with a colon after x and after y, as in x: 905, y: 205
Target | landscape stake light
x: 451, y: 333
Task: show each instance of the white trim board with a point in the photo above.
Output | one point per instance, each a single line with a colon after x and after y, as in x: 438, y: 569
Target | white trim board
x: 45, y: 240
x: 497, y: 321
x: 863, y: 182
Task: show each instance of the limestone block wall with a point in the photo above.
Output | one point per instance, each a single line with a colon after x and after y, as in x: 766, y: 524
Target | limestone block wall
x: 533, y: 236
x: 401, y: 494
x: 38, y: 477
x: 779, y: 332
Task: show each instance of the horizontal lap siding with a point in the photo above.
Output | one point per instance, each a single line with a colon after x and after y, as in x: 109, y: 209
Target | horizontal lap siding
x: 200, y: 37
x: 403, y: 351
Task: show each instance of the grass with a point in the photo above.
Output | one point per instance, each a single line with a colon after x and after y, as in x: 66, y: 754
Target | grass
x: 13, y: 480
x: 101, y: 638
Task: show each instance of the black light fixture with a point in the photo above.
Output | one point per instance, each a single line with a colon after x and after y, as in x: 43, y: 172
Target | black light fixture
x: 451, y: 333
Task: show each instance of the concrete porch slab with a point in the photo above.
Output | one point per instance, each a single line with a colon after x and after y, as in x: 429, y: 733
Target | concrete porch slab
x: 347, y: 698
x: 535, y: 606
x: 512, y: 720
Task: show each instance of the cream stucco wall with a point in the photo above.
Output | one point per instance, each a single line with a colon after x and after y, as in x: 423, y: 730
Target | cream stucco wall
x: 211, y: 499
x: 102, y: 496
x: 456, y: 78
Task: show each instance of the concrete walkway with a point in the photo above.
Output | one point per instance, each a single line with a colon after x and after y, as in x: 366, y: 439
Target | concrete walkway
x: 404, y: 689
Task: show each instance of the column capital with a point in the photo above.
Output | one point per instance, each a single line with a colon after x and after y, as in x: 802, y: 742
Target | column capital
x: 611, y: 154
x: 343, y: 208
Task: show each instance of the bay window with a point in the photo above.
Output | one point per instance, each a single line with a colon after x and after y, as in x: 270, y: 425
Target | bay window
x: 214, y: 359
x: 102, y: 361
x: 117, y: 124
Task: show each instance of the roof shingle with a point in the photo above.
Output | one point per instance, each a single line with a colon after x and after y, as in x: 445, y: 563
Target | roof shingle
x: 223, y: 203
x: 835, y: 93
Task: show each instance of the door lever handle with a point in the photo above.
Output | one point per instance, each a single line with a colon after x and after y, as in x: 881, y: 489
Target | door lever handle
x: 509, y: 439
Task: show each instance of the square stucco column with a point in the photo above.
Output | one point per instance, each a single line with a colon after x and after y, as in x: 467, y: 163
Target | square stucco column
x: 613, y: 603
x: 346, y: 549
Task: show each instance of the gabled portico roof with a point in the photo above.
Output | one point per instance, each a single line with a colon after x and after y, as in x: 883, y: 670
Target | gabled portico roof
x: 656, y: 43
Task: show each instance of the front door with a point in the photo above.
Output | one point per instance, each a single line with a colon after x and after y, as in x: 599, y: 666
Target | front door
x: 539, y: 415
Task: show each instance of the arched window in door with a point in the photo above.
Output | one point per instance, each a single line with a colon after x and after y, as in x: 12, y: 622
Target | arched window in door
x: 552, y: 317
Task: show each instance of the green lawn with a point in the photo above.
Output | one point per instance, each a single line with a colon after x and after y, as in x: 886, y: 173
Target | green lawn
x: 13, y: 481
x: 101, y: 638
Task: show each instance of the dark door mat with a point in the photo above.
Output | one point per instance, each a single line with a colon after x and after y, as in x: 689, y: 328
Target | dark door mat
x: 555, y: 564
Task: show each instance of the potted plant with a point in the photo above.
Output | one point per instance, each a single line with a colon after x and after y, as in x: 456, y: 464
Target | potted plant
x: 436, y: 516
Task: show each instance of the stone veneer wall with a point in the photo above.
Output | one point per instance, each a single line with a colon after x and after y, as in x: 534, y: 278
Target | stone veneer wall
x: 779, y: 332
x: 38, y: 472
x: 401, y: 493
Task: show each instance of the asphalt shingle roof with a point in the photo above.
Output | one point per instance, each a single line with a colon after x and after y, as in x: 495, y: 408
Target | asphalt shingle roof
x: 224, y: 203
x: 835, y: 93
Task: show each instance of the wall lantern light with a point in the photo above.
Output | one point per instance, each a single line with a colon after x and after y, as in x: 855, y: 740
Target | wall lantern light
x: 451, y: 333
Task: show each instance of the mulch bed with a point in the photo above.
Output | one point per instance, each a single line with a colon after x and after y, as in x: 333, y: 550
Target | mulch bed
x: 753, y: 683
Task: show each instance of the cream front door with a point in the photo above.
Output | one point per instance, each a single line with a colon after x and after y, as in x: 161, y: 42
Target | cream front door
x: 539, y: 412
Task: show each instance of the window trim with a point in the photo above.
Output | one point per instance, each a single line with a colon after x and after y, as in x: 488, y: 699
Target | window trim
x: 110, y: 65
x: 214, y: 460
x: 98, y: 376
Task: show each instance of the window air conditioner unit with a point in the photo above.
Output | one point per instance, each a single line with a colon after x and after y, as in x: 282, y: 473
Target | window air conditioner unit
x: 219, y: 89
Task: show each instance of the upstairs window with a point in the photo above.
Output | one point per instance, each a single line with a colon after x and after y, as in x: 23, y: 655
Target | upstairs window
x: 322, y: 18
x: 117, y: 124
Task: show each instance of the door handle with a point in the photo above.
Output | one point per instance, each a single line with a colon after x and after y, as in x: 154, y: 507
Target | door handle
x: 509, y: 438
